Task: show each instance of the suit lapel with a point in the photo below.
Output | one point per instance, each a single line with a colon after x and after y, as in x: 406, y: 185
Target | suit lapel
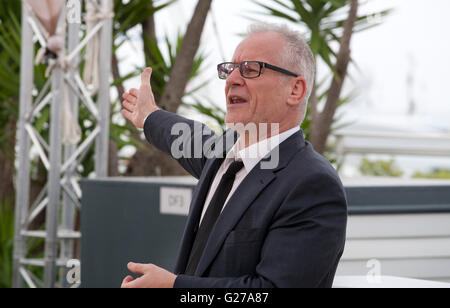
x: 243, y: 197
x: 198, y: 199
x: 247, y: 191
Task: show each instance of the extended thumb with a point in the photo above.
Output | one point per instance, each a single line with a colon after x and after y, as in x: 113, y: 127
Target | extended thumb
x: 146, y: 75
x: 136, y: 268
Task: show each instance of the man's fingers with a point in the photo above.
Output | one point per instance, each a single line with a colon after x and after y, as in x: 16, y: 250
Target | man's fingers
x: 130, y: 98
x: 129, y: 106
x: 146, y: 75
x: 136, y: 283
x: 134, y: 92
x: 127, y: 280
x: 138, y: 268
x: 128, y: 115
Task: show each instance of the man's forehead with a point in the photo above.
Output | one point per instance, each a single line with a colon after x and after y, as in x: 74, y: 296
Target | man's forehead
x: 261, y: 47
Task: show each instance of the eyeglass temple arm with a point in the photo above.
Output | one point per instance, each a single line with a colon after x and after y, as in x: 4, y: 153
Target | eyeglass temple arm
x: 278, y: 69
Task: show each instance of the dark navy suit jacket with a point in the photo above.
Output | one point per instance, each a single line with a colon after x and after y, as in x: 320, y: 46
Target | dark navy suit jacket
x: 283, y: 227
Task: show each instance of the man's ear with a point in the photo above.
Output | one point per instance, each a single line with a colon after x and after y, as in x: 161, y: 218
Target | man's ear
x: 298, y: 91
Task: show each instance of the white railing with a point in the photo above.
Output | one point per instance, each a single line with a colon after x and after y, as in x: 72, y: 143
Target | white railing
x: 393, y: 143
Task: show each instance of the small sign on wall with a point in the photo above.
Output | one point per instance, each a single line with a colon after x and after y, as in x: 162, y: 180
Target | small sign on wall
x: 175, y: 201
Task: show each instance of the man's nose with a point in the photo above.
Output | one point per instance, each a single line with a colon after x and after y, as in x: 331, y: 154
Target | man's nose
x: 235, y: 78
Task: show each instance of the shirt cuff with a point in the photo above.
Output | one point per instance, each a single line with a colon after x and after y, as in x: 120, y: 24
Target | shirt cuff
x: 147, y: 118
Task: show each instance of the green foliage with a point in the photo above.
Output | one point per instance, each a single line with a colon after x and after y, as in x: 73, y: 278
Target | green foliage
x: 436, y: 174
x: 379, y: 168
x: 6, y: 244
x: 129, y: 14
x: 9, y: 67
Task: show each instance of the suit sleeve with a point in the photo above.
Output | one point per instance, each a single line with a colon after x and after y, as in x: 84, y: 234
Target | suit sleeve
x: 303, y: 245
x: 185, y: 140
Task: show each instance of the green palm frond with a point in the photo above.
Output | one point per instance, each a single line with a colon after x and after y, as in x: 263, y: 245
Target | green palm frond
x: 129, y: 14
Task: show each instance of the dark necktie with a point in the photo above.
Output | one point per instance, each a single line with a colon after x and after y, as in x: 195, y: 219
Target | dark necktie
x: 211, y: 215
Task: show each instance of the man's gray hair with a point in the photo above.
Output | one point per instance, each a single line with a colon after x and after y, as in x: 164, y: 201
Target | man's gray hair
x: 297, y: 57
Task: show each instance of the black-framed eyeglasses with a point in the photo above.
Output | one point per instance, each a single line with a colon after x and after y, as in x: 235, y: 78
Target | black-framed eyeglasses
x: 249, y: 69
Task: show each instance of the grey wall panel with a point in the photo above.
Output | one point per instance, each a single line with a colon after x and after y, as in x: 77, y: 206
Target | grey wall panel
x: 398, y: 199
x: 121, y: 222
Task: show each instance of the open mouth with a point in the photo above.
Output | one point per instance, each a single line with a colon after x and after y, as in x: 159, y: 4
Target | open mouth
x: 235, y: 100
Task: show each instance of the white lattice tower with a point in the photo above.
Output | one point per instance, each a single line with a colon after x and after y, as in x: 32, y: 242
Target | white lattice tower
x: 64, y: 93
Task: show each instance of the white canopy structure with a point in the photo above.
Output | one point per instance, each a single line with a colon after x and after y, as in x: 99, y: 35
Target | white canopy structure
x: 393, y: 143
x: 352, y: 140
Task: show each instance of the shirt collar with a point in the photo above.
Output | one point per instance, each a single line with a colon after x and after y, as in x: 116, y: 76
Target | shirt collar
x: 253, y: 154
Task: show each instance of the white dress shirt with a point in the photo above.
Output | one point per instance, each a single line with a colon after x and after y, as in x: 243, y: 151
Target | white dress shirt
x: 250, y: 156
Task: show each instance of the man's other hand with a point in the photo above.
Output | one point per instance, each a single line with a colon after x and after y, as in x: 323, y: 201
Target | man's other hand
x: 139, y: 104
x: 152, y: 277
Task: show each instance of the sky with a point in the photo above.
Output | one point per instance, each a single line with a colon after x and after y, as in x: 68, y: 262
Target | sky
x: 414, y: 42
x: 405, y: 58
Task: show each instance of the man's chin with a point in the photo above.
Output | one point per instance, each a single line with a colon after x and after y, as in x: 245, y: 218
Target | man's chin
x: 234, y: 121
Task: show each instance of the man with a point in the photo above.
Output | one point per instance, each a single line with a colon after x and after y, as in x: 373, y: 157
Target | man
x: 249, y: 225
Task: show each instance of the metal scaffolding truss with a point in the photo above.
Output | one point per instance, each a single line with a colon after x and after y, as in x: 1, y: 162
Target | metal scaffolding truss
x: 60, y: 197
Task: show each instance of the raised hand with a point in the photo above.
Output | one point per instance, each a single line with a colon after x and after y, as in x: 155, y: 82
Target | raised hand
x: 139, y: 104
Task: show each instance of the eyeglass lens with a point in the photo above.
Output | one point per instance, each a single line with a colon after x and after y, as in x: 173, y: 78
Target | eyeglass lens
x: 248, y: 69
